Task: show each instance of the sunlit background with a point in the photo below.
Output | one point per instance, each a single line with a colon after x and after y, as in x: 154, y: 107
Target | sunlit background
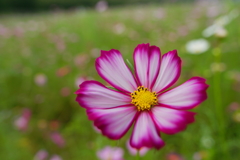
x: 49, y: 47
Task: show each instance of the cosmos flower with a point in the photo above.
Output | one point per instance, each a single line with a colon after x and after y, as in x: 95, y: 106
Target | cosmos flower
x: 57, y: 138
x: 142, y: 98
x: 41, y: 155
x: 40, y: 79
x: 110, y: 153
x: 55, y: 157
x: 22, y: 122
x: 197, y: 46
x: 101, y: 6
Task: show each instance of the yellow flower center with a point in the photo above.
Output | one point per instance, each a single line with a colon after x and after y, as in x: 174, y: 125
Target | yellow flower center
x: 143, y: 99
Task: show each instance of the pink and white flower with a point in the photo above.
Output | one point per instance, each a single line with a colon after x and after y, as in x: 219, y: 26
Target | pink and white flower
x: 22, y: 122
x: 110, y: 153
x: 41, y: 155
x: 141, y: 99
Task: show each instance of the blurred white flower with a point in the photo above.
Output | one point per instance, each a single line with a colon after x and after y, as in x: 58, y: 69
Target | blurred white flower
x: 221, y: 32
x: 197, y: 46
x: 110, y: 153
x: 236, y: 116
x: 215, y: 29
x: 219, y: 23
x: 207, y: 141
x: 101, y: 6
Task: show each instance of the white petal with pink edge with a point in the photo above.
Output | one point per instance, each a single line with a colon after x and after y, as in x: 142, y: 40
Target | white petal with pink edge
x: 112, y: 68
x: 93, y: 94
x: 145, y: 133
x: 171, y: 121
x: 146, y: 64
x: 169, y: 71
x: 114, y: 122
x: 186, y: 96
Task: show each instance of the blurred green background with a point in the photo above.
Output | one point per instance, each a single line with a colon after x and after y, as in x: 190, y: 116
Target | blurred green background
x: 48, y: 47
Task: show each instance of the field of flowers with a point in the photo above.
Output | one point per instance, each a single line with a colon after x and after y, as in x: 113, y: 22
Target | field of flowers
x: 45, y: 56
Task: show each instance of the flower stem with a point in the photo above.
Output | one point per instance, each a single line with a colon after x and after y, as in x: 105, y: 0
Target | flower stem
x: 218, y: 104
x: 137, y: 155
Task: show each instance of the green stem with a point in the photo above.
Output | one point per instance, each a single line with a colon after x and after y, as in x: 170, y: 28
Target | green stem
x: 218, y: 104
x: 137, y: 155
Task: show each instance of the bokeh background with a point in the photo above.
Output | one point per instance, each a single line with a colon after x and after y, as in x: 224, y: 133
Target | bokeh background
x: 48, y: 47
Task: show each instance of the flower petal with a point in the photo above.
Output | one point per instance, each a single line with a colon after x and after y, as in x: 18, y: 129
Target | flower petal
x: 114, y: 122
x: 145, y: 133
x: 186, y: 96
x: 146, y: 64
x: 169, y: 71
x: 111, y: 68
x: 93, y: 94
x: 171, y: 121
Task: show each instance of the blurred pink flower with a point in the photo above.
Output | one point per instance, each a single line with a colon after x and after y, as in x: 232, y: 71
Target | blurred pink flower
x: 234, y: 106
x: 79, y: 80
x: 81, y: 60
x: 65, y: 91
x: 5, y: 32
x: 101, y: 6
x: 40, y: 79
x: 110, y: 153
x: 41, y: 155
x: 18, y: 32
x: 213, y: 11
x: 133, y: 151
x: 63, y: 71
x: 174, y: 156
x: 57, y: 139
x: 55, y: 157
x: 22, y: 122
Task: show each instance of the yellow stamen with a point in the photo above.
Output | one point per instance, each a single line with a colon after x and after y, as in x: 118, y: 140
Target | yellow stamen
x: 143, y: 99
